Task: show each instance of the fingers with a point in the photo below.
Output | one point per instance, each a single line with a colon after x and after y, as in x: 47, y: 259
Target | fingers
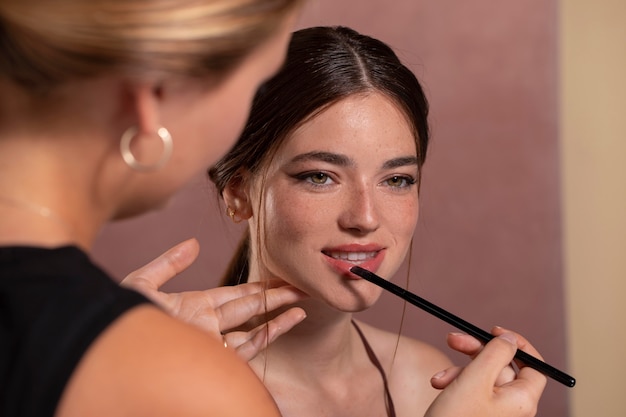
x: 464, y: 343
x: 533, y: 379
x: 492, y: 359
x: 471, y: 346
x: 483, y: 387
x: 248, y: 301
x: 218, y: 310
x: 522, y: 343
x: 156, y: 273
x: 222, y: 295
x: 442, y: 379
x: 224, y: 308
x: 238, y: 311
x: 249, y: 344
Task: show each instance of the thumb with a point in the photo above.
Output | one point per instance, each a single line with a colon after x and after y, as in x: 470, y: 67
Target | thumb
x: 495, y: 356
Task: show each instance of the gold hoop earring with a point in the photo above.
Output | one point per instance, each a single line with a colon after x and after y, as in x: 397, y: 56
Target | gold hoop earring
x: 132, y: 162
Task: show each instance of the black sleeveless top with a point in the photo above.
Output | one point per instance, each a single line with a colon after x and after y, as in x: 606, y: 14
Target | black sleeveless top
x: 53, y: 304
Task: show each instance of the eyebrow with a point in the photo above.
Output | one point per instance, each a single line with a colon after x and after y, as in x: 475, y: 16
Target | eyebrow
x: 400, y: 162
x: 332, y: 158
x: 342, y: 160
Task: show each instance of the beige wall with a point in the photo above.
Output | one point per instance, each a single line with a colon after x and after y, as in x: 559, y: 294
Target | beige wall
x: 594, y: 185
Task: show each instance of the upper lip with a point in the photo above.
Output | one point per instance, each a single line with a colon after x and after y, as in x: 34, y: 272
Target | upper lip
x: 353, y: 250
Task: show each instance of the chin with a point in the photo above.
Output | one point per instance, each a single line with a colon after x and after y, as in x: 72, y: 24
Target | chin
x: 356, y: 309
x: 353, y: 308
x: 354, y: 303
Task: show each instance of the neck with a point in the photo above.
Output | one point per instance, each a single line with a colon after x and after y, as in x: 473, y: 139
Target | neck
x: 322, y: 343
x: 47, y: 189
x: 61, y: 168
x: 41, y: 210
x: 25, y: 222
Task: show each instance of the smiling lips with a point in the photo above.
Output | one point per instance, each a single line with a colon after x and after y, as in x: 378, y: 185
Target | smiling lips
x: 355, y: 257
x: 341, y: 259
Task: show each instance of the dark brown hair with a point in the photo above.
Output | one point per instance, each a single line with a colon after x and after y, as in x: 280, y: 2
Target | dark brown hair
x: 323, y: 66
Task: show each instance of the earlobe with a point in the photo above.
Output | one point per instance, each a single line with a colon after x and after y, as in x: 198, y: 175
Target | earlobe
x: 145, y: 104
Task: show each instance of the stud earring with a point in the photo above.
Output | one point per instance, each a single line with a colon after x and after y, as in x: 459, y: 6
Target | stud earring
x: 231, y: 213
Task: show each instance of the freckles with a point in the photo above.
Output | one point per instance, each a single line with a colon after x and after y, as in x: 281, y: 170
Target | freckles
x: 403, y: 218
x: 296, y: 219
x: 287, y: 217
x: 405, y: 207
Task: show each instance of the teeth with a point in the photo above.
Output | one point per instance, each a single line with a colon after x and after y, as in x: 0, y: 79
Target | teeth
x: 352, y: 256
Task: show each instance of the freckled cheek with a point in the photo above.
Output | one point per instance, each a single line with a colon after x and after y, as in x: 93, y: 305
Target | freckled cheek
x: 403, y: 218
x: 289, y: 220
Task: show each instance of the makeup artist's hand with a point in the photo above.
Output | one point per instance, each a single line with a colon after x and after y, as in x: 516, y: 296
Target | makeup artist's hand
x: 471, y: 347
x: 488, y: 386
x: 219, y: 310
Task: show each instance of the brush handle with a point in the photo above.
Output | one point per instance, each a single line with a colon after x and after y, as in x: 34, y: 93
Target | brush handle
x: 461, y: 324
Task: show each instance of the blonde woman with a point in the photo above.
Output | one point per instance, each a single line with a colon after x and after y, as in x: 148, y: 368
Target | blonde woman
x: 106, y: 109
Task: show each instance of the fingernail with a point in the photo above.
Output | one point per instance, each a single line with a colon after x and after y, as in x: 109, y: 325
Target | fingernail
x: 439, y: 375
x: 509, y: 337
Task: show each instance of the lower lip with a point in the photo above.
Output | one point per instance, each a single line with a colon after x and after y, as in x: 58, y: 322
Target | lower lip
x: 343, y: 267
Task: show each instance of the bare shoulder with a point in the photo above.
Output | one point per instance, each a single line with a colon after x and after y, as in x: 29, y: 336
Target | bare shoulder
x: 411, y: 353
x: 147, y: 363
x: 418, y: 354
x: 409, y: 368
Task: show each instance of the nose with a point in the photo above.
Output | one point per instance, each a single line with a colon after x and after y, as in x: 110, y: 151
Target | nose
x: 359, y: 213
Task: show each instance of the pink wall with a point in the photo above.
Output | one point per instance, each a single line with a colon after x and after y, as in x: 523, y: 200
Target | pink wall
x: 488, y: 246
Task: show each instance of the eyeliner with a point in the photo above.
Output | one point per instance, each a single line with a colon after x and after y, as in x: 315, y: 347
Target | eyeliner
x: 461, y: 324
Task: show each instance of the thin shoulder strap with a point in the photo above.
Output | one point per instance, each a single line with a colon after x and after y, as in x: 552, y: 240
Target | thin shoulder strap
x: 391, y: 412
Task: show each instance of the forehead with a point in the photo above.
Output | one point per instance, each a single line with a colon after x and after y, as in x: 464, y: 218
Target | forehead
x: 367, y: 123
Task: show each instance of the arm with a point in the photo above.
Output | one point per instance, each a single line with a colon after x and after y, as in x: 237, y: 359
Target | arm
x: 219, y: 310
x: 488, y: 386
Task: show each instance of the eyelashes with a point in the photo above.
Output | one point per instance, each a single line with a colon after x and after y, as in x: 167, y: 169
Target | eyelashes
x: 322, y: 180
x: 315, y: 179
x: 400, y: 181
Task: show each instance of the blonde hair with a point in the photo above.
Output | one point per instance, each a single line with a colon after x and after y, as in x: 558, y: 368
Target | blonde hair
x: 44, y: 43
